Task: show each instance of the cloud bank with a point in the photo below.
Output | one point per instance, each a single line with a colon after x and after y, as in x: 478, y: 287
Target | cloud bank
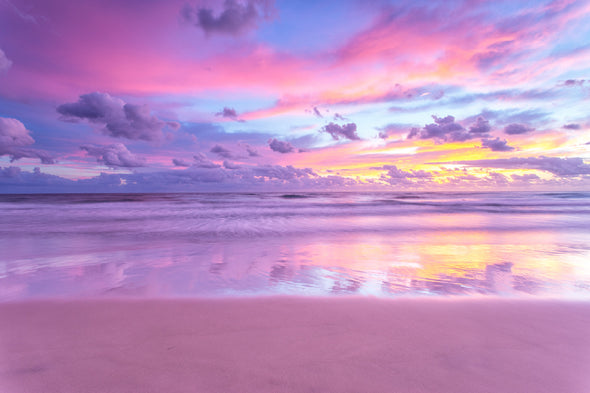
x: 572, y: 166
x: 496, y: 144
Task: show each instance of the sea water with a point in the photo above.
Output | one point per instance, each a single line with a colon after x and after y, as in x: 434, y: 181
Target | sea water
x: 240, y: 244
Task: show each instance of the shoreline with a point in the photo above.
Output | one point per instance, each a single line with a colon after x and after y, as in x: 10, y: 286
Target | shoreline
x: 295, y: 344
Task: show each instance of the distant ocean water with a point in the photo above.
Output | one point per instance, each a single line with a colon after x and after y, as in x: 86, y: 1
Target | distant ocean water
x: 236, y: 244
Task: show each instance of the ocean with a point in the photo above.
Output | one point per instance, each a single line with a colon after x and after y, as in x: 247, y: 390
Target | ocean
x: 512, y: 244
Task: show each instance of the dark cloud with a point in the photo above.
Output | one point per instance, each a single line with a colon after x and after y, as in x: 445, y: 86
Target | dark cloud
x: 527, y: 177
x: 221, y: 151
x: 229, y: 113
x: 414, y: 131
x: 280, y: 146
x: 115, y: 155
x: 481, y: 126
x: 120, y: 120
x: 347, y: 131
x: 230, y: 165
x: 574, y: 82
x: 338, y: 116
x: 496, y: 144
x: 93, y: 106
x: 514, y: 129
x: 14, y: 139
x: 572, y: 126
x: 252, y: 152
x: 17, y: 154
x: 317, y: 112
x: 396, y: 176
x: 443, y: 129
x: 201, y: 161
x: 282, y: 172
x: 180, y: 162
x: 5, y: 62
x: 395, y: 172
x: 573, y: 166
x: 234, y: 18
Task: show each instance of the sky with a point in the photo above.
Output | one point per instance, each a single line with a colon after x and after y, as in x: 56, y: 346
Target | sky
x: 245, y: 95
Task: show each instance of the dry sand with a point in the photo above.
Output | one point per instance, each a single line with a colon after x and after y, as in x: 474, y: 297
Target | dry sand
x: 278, y: 344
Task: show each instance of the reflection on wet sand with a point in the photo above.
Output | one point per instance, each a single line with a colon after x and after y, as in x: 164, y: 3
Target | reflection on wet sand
x: 219, y: 245
x: 378, y: 266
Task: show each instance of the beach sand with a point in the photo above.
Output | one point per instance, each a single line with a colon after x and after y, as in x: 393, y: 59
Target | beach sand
x: 285, y: 344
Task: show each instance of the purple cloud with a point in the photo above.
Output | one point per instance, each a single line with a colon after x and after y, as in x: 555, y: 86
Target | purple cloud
x: 180, y: 162
x: 230, y: 165
x: 282, y: 172
x: 444, y: 129
x: 5, y: 62
x: 347, y: 131
x: 481, y: 126
x: 16, y: 180
x: 220, y: 178
x: 235, y: 17
x: 252, y: 152
x: 573, y: 166
x: 14, y: 137
x: 115, y: 155
x: 14, y: 133
x: 221, y: 151
x: 527, y: 177
x: 394, y: 172
x: 229, y: 113
x: 280, y: 146
x: 120, y: 120
x: 572, y: 126
x: 514, y: 129
x: 574, y: 82
x: 201, y: 161
x: 396, y: 176
x: 317, y: 112
x: 496, y: 144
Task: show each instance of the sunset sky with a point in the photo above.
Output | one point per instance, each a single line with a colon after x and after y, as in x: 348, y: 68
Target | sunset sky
x: 154, y: 95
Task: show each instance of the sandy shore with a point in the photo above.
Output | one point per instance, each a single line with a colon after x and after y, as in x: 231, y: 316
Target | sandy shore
x: 295, y: 345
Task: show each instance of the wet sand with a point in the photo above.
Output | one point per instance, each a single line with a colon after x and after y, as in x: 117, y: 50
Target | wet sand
x: 285, y: 344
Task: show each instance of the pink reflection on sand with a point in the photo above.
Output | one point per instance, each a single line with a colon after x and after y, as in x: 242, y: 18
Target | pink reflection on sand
x: 476, y: 263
